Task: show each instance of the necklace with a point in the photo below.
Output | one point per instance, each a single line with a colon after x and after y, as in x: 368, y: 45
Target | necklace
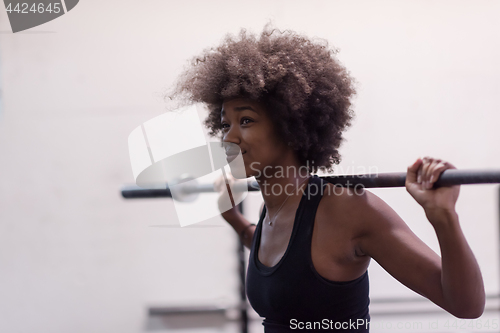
x: 288, y: 196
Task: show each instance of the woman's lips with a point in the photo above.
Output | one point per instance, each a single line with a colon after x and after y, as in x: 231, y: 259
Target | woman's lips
x: 231, y: 157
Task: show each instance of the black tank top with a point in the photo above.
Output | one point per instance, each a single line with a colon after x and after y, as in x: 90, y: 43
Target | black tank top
x: 291, y: 295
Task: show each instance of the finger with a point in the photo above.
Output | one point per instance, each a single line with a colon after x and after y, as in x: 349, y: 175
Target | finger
x: 423, y: 171
x: 449, y: 165
x: 217, y: 184
x: 220, y: 184
x: 429, y: 172
x: 436, y: 172
x: 412, y: 172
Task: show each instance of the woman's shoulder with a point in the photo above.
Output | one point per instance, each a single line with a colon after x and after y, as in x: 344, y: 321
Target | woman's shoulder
x: 358, y: 208
x: 343, y: 218
x: 346, y: 198
x: 362, y: 212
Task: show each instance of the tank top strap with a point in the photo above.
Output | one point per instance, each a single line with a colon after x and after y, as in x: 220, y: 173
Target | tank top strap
x: 299, y: 244
x: 312, y: 194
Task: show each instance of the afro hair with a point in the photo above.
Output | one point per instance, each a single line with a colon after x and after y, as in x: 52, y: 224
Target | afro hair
x: 304, y: 88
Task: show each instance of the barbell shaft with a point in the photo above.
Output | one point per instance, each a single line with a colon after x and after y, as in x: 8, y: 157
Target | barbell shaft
x: 448, y: 177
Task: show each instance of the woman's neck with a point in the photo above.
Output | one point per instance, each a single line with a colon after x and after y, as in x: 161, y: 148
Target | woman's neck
x: 278, y: 183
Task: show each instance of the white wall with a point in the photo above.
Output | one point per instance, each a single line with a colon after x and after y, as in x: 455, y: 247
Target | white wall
x: 75, y: 256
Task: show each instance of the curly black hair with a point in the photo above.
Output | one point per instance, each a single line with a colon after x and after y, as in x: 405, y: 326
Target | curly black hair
x: 304, y: 88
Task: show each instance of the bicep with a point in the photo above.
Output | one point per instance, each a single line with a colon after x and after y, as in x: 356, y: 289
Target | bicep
x: 390, y: 242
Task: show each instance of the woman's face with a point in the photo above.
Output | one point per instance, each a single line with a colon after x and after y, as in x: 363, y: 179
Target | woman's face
x: 246, y: 124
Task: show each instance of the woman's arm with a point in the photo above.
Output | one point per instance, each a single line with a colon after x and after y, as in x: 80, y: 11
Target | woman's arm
x: 241, y: 225
x: 454, y: 281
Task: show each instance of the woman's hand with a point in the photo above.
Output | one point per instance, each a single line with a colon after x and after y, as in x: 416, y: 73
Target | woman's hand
x: 224, y: 203
x: 420, y: 178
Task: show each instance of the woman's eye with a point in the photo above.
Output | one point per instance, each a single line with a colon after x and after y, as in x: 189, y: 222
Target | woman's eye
x: 244, y: 121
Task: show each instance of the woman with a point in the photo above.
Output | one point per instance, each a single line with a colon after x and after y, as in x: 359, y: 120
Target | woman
x: 284, y: 100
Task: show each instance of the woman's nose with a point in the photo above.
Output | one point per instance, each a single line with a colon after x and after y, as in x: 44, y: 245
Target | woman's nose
x: 232, y: 135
